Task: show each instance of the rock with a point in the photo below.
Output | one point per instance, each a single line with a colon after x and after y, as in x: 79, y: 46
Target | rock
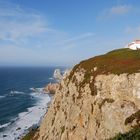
x: 66, y: 73
x: 51, y: 88
x: 95, y: 68
x: 57, y: 75
x: 18, y: 128
x: 4, y: 136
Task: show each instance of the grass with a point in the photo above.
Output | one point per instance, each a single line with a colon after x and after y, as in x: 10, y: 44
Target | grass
x: 30, y: 135
x: 131, y: 135
x: 117, y: 62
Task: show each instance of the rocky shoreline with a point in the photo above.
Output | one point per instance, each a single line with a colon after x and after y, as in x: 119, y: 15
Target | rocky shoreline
x: 49, y: 89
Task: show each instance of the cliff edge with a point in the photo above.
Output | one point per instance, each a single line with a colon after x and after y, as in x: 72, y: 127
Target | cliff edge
x: 97, y: 100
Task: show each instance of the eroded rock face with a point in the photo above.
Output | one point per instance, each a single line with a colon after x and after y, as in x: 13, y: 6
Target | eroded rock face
x: 77, y: 114
x: 51, y: 88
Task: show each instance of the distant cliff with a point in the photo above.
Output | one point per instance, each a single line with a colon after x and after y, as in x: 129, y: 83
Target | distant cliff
x: 97, y: 100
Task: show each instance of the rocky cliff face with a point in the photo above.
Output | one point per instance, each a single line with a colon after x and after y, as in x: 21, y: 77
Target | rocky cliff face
x: 95, y: 102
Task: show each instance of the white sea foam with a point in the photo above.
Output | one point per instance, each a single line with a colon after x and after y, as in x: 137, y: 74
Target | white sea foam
x: 26, y: 120
x: 2, y: 97
x: 4, y: 125
x: 31, y: 88
x: 37, y: 90
x: 51, y: 78
x: 16, y: 92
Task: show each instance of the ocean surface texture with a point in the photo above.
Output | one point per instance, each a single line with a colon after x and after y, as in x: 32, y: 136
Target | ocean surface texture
x: 20, y: 107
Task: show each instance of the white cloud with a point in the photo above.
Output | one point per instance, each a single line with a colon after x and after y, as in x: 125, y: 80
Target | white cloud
x: 26, y: 37
x: 71, y: 42
x: 31, y: 40
x: 79, y: 37
x: 119, y: 10
x: 16, y: 23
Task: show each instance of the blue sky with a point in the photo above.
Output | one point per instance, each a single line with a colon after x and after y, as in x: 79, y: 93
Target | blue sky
x: 64, y: 32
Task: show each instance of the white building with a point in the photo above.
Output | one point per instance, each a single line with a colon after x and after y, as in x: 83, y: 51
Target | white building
x: 135, y: 45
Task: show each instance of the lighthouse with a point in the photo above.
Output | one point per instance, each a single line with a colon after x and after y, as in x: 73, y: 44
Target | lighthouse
x: 135, y: 45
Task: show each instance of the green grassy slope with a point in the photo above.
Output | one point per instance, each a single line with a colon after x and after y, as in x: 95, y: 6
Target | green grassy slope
x: 117, y: 62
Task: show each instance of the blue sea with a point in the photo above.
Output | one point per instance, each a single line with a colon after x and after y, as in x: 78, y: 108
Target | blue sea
x: 20, y: 106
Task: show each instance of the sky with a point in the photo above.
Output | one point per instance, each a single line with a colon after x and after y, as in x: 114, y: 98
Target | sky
x: 64, y: 32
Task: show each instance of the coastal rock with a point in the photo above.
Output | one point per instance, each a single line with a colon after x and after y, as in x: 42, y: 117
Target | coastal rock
x: 66, y: 73
x: 57, y: 75
x: 51, y: 88
x: 95, y: 104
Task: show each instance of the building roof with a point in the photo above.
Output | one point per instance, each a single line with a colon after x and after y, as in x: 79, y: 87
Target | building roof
x: 134, y: 45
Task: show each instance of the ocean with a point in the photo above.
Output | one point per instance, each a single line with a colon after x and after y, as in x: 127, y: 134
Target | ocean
x: 20, y: 107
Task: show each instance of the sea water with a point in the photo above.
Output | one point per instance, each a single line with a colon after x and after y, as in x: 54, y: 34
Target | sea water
x: 20, y: 107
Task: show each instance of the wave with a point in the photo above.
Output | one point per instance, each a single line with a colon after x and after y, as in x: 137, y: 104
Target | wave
x: 51, y: 78
x: 4, y: 125
x: 28, y: 119
x: 37, y: 90
x: 16, y: 92
x: 12, y: 93
x: 2, y: 97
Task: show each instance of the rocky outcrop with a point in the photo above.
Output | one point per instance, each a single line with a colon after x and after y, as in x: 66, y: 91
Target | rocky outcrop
x: 51, y: 88
x: 93, y: 105
x: 57, y: 75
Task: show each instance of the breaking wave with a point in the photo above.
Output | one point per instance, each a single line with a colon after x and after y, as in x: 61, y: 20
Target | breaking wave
x: 25, y: 120
x: 16, y: 92
x: 4, y: 125
x: 2, y: 97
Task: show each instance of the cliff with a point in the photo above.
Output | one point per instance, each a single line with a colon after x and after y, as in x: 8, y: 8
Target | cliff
x: 97, y: 100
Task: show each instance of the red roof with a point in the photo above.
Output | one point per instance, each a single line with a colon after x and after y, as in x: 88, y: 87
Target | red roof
x: 137, y: 41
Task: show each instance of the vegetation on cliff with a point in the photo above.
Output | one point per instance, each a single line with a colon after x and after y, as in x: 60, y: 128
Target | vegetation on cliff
x: 31, y: 135
x: 131, y: 135
x: 116, y: 62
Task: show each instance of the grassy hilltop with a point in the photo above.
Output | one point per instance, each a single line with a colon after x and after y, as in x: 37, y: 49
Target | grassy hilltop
x: 117, y: 62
